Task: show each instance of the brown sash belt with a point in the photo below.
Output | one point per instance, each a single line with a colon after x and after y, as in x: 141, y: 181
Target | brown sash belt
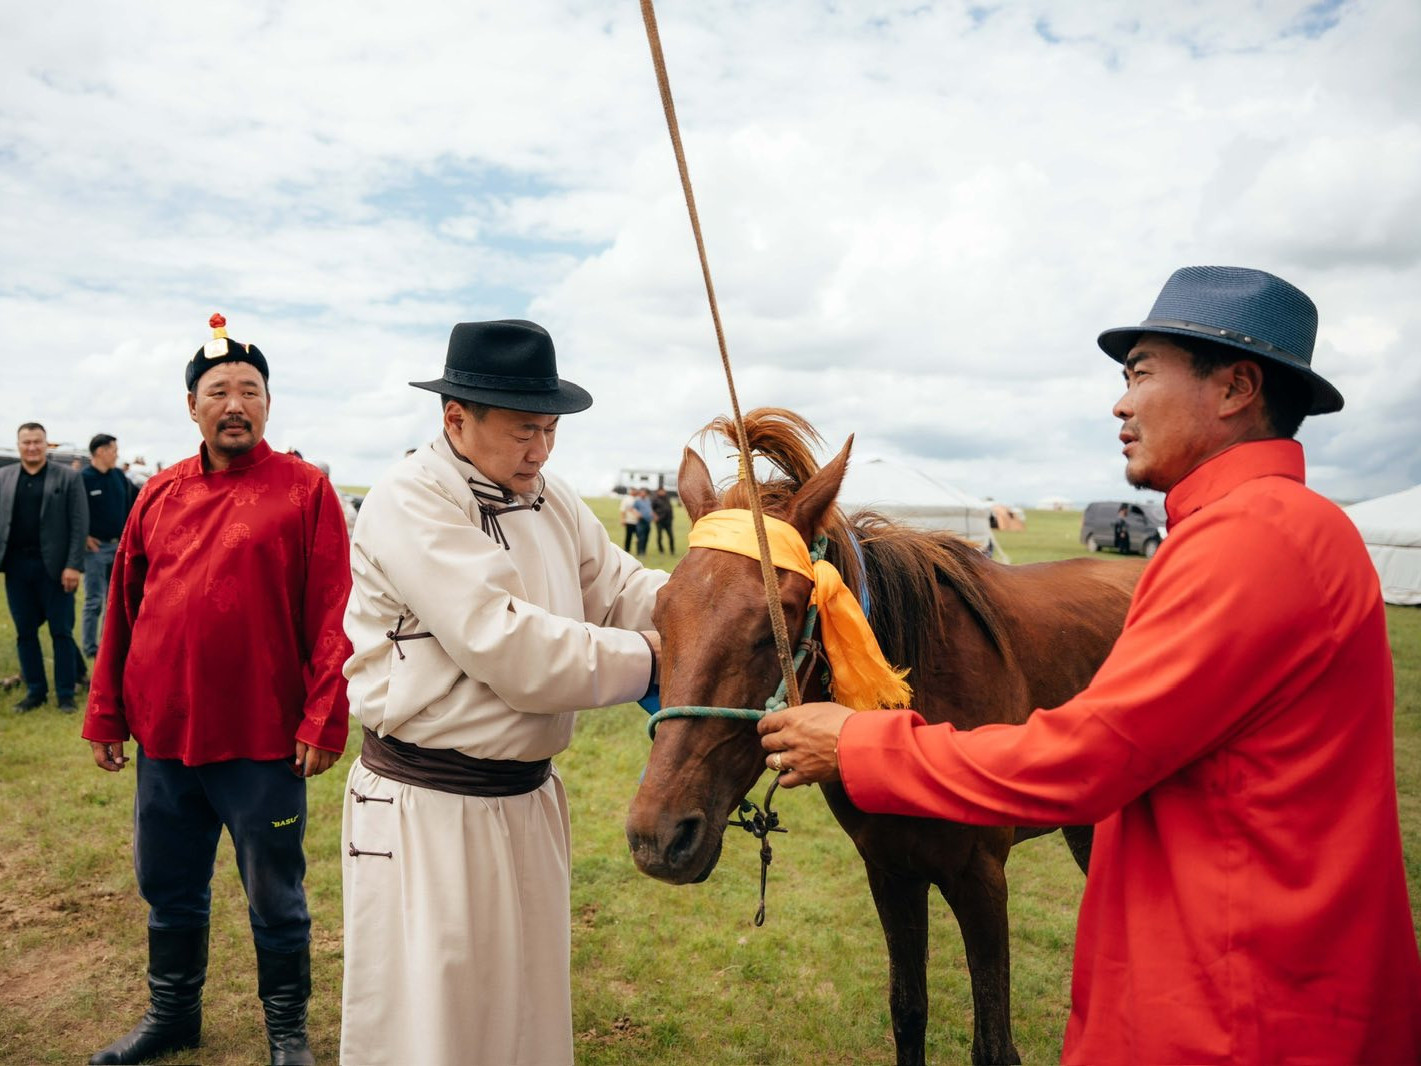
x: 447, y: 770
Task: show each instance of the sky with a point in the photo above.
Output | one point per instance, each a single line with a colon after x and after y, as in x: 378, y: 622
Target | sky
x: 918, y: 216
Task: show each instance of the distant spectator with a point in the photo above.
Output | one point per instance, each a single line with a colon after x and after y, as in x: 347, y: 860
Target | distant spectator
x: 44, y: 518
x: 630, y: 517
x: 345, y: 504
x: 138, y: 471
x: 1122, y: 529
x: 110, y: 496
x: 662, y: 509
x: 643, y: 520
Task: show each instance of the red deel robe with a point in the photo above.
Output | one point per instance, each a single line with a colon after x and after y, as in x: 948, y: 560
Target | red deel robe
x: 1246, y: 900
x: 223, y: 638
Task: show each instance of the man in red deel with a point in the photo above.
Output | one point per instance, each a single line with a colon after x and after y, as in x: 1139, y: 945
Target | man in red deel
x: 221, y: 658
x: 1246, y: 900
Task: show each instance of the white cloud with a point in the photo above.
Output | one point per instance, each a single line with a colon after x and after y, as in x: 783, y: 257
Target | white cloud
x: 918, y: 217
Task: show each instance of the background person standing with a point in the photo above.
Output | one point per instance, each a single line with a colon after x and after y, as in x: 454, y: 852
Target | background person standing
x: 222, y: 657
x: 110, y: 495
x: 663, y: 510
x: 643, y: 520
x: 347, y: 508
x: 629, y: 516
x: 43, y: 521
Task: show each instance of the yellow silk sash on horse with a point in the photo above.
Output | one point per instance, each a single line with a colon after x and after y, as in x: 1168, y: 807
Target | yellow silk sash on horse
x: 862, y: 677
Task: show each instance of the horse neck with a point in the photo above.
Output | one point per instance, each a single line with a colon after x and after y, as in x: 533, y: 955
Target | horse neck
x: 1064, y: 617
x: 934, y: 610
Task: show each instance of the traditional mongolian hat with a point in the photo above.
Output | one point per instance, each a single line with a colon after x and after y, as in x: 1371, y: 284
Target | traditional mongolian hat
x: 222, y: 349
x: 508, y: 363
x: 1255, y: 312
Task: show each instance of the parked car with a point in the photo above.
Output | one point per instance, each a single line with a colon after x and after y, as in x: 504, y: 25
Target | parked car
x: 1125, y: 527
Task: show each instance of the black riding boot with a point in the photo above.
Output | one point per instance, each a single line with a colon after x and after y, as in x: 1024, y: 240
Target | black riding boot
x: 284, y: 984
x: 177, y: 968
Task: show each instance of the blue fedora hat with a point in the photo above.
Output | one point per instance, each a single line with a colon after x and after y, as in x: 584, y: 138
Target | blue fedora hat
x: 1256, y: 312
x: 508, y: 363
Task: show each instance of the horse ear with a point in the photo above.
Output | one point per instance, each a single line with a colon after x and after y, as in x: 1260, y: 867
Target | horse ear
x: 693, y: 484
x: 813, y: 500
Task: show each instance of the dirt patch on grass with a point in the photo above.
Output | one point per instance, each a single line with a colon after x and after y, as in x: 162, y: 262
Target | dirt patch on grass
x: 53, y: 946
x: 70, y: 912
x: 30, y: 911
x: 45, y: 974
x: 16, y: 914
x: 621, y: 1030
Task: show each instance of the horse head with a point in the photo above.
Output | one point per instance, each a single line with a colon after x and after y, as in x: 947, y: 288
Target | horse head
x: 718, y: 650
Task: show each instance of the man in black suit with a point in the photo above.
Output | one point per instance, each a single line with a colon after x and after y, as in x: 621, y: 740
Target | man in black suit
x: 44, y: 519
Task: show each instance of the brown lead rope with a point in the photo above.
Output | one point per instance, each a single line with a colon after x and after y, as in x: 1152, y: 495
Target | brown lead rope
x: 767, y: 568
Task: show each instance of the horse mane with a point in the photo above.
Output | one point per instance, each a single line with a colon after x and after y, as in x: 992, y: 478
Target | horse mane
x: 906, y: 565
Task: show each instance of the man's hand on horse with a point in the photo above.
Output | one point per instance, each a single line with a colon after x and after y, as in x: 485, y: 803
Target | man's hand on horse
x: 803, y: 742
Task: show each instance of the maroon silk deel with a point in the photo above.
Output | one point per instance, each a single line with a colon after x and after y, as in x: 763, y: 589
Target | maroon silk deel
x: 223, y: 638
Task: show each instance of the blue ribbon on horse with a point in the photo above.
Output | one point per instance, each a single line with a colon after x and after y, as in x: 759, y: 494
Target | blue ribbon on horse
x: 865, y: 601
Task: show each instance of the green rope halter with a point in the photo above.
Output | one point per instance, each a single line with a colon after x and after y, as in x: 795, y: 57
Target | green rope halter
x: 779, y: 701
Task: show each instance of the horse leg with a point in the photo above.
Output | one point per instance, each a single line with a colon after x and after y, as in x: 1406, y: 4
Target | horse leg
x: 902, y: 904
x: 1079, y: 839
x: 979, y: 900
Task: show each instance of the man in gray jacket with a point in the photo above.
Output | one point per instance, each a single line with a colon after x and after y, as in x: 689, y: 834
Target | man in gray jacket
x: 44, y: 519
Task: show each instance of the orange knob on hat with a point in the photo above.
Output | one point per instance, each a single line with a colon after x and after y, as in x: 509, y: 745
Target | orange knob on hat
x: 218, y: 324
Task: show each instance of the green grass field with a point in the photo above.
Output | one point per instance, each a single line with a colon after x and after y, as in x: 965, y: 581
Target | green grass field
x: 661, y: 974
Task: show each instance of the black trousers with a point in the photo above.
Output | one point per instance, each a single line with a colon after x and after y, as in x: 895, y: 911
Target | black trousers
x: 36, y: 598
x: 178, y: 815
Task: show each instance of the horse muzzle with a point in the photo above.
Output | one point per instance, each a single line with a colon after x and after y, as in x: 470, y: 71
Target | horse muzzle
x: 681, y: 849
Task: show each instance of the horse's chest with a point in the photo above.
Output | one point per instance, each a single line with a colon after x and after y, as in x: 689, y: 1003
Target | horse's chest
x: 928, y: 848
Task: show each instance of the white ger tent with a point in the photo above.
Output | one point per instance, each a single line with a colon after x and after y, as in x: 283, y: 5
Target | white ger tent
x: 905, y: 494
x: 1391, y: 527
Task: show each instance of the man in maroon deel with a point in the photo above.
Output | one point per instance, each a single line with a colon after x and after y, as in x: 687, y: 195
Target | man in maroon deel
x: 1246, y: 900
x: 221, y: 656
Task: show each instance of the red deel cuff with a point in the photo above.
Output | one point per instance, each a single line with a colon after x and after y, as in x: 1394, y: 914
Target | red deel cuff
x: 869, y: 745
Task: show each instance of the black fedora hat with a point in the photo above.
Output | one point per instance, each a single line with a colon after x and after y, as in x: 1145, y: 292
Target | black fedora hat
x: 507, y: 363
x: 1251, y: 310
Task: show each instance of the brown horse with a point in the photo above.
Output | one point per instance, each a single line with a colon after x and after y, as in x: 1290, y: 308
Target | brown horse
x: 984, y: 642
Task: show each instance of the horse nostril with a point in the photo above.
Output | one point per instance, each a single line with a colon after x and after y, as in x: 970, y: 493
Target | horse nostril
x: 684, y: 841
